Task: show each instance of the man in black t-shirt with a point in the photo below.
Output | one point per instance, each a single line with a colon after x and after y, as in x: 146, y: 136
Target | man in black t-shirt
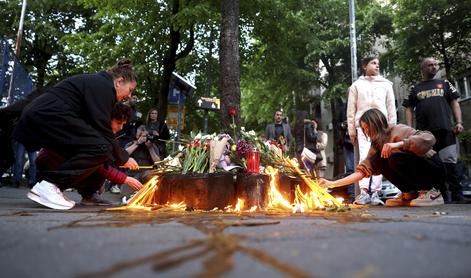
x: 435, y: 101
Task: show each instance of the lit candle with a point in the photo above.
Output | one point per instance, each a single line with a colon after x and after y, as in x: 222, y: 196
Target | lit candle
x: 253, y: 161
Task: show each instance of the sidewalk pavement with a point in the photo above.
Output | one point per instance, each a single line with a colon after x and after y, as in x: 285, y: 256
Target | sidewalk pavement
x: 366, y: 242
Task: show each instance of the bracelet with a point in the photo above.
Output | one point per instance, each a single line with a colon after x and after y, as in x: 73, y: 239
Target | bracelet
x: 459, y: 123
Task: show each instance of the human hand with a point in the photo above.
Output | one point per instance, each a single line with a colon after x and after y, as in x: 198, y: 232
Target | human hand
x: 131, y: 164
x: 133, y: 183
x: 458, y: 128
x: 389, y: 147
x: 353, y: 138
x: 141, y: 139
x: 325, y: 183
x: 149, y: 144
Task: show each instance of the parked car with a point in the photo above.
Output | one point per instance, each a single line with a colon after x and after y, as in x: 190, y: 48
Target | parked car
x: 388, y: 190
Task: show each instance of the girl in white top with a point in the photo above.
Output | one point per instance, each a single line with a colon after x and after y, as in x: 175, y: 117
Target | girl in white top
x: 370, y: 91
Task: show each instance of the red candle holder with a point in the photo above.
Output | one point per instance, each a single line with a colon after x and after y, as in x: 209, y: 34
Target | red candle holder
x: 253, y: 161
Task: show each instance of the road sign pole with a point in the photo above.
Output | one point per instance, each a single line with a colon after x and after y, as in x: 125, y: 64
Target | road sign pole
x: 205, y: 124
x: 179, y: 120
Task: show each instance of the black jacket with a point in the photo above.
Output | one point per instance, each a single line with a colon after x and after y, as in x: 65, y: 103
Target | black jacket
x: 77, y: 111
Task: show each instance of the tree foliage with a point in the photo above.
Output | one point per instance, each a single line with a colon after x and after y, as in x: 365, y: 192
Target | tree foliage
x: 437, y: 28
x: 289, y: 40
x: 45, y: 25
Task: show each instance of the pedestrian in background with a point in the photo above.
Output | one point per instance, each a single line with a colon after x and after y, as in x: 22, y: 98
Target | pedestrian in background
x: 279, y: 131
x: 306, y: 137
x: 158, y: 132
x: 434, y: 101
x: 321, y: 145
x: 370, y: 91
x: 19, y: 165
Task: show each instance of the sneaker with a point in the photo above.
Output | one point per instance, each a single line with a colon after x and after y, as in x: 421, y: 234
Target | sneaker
x: 403, y: 199
x: 49, y: 195
x: 426, y: 198
x: 95, y: 200
x: 115, y: 189
x: 362, y: 199
x: 375, y: 200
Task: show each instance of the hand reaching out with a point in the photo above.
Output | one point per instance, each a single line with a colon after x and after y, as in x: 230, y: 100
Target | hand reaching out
x: 325, y: 183
x: 133, y: 183
x: 131, y: 164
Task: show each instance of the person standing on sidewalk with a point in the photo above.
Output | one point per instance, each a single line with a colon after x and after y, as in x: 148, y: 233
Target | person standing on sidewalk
x: 279, y: 131
x: 434, y: 101
x: 73, y: 119
x: 404, y: 156
x: 370, y: 91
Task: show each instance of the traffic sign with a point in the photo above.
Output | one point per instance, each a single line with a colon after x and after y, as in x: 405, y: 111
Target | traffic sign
x: 208, y: 103
x: 172, y: 116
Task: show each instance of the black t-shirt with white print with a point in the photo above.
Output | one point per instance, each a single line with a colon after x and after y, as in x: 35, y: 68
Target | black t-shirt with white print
x: 431, y: 100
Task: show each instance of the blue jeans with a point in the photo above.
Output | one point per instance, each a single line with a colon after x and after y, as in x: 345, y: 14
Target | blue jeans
x: 349, y: 160
x: 20, y: 162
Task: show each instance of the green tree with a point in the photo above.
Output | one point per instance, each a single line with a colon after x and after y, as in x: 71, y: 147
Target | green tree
x: 46, y: 23
x: 156, y: 35
x: 300, y: 45
x: 437, y: 28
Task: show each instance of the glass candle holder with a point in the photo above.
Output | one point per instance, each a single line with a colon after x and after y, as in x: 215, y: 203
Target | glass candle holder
x: 253, y: 161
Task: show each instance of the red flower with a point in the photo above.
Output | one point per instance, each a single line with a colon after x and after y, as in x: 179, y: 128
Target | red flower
x: 232, y: 111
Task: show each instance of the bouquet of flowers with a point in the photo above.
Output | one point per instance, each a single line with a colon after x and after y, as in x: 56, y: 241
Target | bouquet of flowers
x: 196, y: 154
x: 271, y: 152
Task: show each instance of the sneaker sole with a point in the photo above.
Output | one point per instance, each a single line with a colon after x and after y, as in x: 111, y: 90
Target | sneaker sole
x: 36, y: 198
x: 72, y: 202
x: 426, y: 204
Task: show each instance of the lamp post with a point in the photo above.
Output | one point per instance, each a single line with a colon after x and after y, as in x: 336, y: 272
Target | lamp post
x: 19, y: 37
x: 353, y: 40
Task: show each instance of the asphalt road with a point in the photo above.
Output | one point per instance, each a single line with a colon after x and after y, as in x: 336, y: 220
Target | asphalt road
x: 363, y: 242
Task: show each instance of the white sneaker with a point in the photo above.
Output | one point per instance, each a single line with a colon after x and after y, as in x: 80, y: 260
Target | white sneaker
x: 49, y: 195
x: 375, y: 200
x: 115, y: 189
x: 363, y: 198
x: 426, y: 198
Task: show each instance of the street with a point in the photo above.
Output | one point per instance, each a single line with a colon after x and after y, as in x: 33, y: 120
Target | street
x: 364, y: 242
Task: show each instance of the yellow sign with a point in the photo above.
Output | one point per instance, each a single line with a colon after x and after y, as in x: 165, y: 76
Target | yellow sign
x: 172, y: 116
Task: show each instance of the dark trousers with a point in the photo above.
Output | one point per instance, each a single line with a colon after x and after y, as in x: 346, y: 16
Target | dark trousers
x: 73, y: 168
x: 447, y: 150
x: 410, y: 172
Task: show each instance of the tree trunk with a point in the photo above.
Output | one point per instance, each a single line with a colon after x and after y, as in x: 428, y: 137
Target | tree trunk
x: 169, y: 64
x: 170, y: 61
x: 229, y: 77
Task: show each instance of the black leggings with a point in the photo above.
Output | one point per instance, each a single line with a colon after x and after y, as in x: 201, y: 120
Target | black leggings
x: 410, y: 172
